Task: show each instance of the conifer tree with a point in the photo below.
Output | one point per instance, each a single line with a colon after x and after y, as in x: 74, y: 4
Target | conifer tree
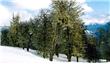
x: 4, y: 36
x: 67, y: 13
x: 105, y: 42
x: 92, y: 53
x: 23, y: 34
x: 13, y: 31
x: 46, y: 37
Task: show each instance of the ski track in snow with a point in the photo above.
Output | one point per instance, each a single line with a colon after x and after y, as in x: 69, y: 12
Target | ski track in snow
x: 14, y: 55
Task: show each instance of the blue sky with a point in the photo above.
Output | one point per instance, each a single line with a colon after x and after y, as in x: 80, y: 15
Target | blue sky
x: 101, y: 7
x: 96, y: 11
x: 100, y: 13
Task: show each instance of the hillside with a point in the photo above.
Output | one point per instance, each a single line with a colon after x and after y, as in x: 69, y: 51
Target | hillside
x: 11, y: 55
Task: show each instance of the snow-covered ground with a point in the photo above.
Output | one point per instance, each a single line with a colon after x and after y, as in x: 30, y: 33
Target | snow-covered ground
x: 14, y: 55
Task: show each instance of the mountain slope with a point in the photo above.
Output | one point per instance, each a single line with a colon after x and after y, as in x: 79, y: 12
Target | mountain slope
x: 95, y: 27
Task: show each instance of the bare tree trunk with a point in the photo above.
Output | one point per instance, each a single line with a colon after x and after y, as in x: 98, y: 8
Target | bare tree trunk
x: 77, y: 58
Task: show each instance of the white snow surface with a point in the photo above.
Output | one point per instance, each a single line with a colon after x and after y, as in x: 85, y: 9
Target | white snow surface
x: 14, y: 55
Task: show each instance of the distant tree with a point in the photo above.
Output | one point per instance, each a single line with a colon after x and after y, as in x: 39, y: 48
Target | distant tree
x: 4, y: 36
x: 105, y: 41
x: 105, y: 51
x: 91, y: 51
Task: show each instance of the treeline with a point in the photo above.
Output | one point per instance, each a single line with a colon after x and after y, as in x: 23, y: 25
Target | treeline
x: 58, y: 29
x: 103, y: 42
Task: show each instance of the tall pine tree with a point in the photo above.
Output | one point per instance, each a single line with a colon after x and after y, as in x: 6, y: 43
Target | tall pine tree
x: 67, y: 14
x: 13, y: 31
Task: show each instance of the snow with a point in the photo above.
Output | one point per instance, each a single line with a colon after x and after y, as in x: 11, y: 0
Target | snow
x: 14, y: 55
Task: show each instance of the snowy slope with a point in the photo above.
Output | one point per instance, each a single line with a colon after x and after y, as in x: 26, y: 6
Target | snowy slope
x: 11, y: 55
